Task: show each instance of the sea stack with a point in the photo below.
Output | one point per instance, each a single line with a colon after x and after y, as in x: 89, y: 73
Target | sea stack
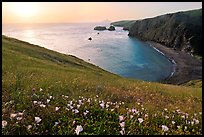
x: 100, y: 28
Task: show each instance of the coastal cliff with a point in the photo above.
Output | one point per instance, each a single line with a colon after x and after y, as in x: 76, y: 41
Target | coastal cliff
x: 181, y: 31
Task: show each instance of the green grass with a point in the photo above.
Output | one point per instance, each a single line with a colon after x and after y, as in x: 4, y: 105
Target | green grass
x: 32, y: 73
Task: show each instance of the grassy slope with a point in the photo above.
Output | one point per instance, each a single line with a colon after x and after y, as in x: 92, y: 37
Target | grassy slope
x: 26, y: 66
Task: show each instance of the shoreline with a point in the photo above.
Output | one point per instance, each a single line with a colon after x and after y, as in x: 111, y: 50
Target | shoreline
x: 186, y: 67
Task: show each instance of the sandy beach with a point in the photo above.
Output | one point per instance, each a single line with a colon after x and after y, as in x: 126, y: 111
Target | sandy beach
x: 187, y: 67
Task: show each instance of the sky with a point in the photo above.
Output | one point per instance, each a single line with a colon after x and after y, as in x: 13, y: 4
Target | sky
x: 64, y: 12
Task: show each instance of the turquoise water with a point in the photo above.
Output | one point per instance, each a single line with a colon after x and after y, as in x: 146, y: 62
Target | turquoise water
x: 113, y: 51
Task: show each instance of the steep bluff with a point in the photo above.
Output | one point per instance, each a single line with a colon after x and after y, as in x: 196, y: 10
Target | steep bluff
x: 180, y: 31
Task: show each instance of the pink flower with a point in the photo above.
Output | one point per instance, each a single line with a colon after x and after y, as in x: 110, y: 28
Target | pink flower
x: 78, y: 129
x: 4, y: 123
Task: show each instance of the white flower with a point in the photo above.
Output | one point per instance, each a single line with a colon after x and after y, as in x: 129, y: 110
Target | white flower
x: 48, y: 100
x: 70, y: 102
x: 35, y: 102
x: 140, y: 120
x: 42, y: 105
x: 50, y: 97
x: 146, y: 115
x: 107, y: 105
x: 57, y: 108
x: 138, y: 103
x: 173, y: 122
x: 183, y: 117
x: 41, y: 89
x: 102, y: 105
x: 122, y: 132
x: 66, y: 96
x: 37, y: 119
x: 86, y: 112
x: 122, y: 124
x: 165, y: 128
x: 13, y: 116
x: 178, y: 127
x: 78, y: 106
x: 56, y: 123
x: 75, y: 111
x: 29, y: 127
x: 4, y: 123
x: 165, y: 109
x: 196, y: 121
x: 166, y: 117
x: 19, y: 118
x: 131, y: 116
x: 89, y: 100
x: 185, y: 128
x: 78, y: 129
x: 80, y: 102
x: 121, y: 118
x: 112, y: 109
x: 133, y: 110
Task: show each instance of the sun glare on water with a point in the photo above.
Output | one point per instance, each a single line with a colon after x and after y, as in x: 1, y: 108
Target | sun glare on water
x: 25, y: 9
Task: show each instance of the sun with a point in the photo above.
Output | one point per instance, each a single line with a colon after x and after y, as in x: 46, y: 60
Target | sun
x: 25, y: 9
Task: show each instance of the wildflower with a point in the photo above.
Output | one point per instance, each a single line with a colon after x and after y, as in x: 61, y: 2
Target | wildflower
x: 37, y: 119
x: 178, y: 127
x: 146, y: 115
x: 117, y: 106
x: 57, y: 108
x: 122, y: 132
x: 66, y: 96
x: 122, y: 124
x: 131, y: 116
x: 70, y: 102
x: 121, y: 118
x: 35, y: 102
x: 4, y: 123
x: 138, y: 103
x: 29, y: 127
x: 196, y: 121
x: 42, y: 105
x: 107, y: 105
x: 13, y: 116
x: 165, y: 128
x: 78, y: 129
x: 183, y: 116
x: 19, y: 118
x: 88, y: 100
x: 75, y: 111
x: 165, y: 109
x: 48, y: 100
x: 112, y: 109
x: 173, y: 122
x: 166, y: 117
x: 80, y: 102
x: 140, y: 120
x: 123, y: 103
x: 56, y: 123
x: 78, y: 106
x: 97, y: 96
x: 50, y: 97
x: 102, y: 105
x: 134, y: 110
x: 41, y: 89
x: 185, y: 128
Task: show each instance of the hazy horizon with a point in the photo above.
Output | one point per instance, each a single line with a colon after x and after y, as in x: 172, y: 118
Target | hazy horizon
x: 88, y: 12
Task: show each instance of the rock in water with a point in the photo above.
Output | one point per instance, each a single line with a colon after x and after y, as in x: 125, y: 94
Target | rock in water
x: 100, y: 28
x: 90, y: 38
x: 111, y: 28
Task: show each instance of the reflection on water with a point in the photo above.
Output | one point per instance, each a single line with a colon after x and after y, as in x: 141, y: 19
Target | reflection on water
x: 113, y: 51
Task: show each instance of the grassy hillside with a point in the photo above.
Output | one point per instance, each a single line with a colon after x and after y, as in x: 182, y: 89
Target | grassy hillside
x: 124, y: 23
x: 45, y: 92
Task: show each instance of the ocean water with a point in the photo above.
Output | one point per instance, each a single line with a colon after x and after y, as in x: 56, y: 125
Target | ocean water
x: 113, y: 51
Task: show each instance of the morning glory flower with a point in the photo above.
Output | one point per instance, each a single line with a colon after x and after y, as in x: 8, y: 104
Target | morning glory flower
x: 29, y: 127
x: 165, y: 128
x: 42, y: 105
x: 57, y: 108
x: 121, y: 118
x: 4, y: 123
x: 78, y: 129
x: 48, y: 100
x: 140, y: 120
x: 102, y: 105
x: 13, y: 116
x: 37, y: 119
x: 122, y: 124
